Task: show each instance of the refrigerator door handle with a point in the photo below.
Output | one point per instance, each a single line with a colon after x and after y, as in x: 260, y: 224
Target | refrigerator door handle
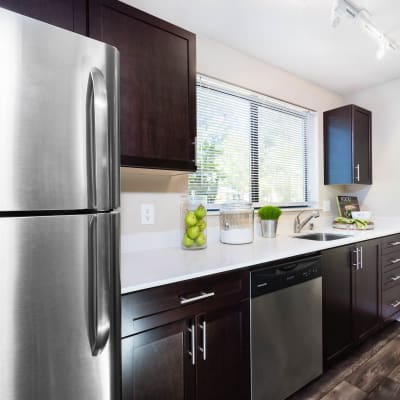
x: 99, y: 282
x: 98, y: 146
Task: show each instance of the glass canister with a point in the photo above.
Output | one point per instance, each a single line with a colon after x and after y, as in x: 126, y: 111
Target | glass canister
x: 194, y: 222
x: 236, y: 223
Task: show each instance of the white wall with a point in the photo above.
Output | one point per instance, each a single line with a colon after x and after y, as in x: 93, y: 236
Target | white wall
x: 219, y: 61
x: 383, y: 196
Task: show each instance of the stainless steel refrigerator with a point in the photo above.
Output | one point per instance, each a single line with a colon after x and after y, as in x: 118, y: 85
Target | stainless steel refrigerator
x: 59, y: 219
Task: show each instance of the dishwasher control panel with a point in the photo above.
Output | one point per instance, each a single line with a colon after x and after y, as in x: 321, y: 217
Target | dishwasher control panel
x: 276, y: 277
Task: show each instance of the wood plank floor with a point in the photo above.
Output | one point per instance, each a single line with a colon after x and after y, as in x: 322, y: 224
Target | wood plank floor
x: 370, y: 372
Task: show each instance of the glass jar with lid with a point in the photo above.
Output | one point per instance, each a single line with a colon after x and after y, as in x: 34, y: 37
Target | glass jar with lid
x: 236, y: 223
x: 194, y: 222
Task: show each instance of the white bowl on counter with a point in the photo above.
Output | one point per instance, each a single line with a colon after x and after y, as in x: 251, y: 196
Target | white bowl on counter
x: 362, y: 215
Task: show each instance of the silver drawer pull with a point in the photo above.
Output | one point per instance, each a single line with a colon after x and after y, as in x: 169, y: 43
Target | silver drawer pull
x: 395, y: 261
x: 395, y: 278
x: 203, y: 295
x: 395, y: 304
x: 394, y: 243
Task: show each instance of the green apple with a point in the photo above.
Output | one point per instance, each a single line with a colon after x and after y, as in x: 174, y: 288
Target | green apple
x: 193, y: 232
x: 190, y: 219
x: 187, y: 242
x: 201, y: 240
x: 202, y: 225
x: 200, y: 212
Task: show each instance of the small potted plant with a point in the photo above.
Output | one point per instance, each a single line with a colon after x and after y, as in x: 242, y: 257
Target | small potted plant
x: 269, y: 220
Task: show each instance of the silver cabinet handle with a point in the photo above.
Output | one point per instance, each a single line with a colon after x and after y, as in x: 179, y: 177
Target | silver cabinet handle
x: 202, y: 296
x: 192, y: 351
x: 394, y: 243
x: 395, y: 278
x: 99, y: 281
x: 357, y: 177
x: 203, y: 349
x: 395, y: 260
x: 357, y: 264
x: 98, y: 142
x: 361, y: 258
x: 358, y: 258
x: 395, y: 304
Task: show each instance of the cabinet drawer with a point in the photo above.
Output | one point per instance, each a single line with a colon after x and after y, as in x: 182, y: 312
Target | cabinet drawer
x: 187, y: 297
x: 391, y: 278
x: 391, y: 244
x: 390, y: 301
x: 391, y: 261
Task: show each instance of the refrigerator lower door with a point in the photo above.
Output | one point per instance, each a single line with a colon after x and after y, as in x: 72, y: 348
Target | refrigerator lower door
x: 59, y: 307
x: 59, y: 95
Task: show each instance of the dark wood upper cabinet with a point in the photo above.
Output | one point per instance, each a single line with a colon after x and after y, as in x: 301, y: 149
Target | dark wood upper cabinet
x: 158, y: 85
x: 347, y: 146
x: 351, y: 295
x: 67, y: 14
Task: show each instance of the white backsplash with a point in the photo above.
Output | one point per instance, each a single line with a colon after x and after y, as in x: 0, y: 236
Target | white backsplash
x: 172, y: 238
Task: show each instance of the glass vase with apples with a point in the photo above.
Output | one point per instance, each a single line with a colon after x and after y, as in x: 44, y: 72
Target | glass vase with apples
x: 194, y: 222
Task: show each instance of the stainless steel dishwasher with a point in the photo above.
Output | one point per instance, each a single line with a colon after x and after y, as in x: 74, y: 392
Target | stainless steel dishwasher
x: 286, y: 328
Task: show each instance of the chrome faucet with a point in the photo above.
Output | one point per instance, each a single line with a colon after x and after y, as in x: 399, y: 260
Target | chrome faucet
x: 298, y: 226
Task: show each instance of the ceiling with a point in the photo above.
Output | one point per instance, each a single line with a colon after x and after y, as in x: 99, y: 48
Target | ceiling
x: 294, y: 35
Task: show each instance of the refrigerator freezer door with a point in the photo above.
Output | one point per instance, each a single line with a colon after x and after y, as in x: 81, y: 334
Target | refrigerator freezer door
x: 59, y: 299
x: 59, y: 95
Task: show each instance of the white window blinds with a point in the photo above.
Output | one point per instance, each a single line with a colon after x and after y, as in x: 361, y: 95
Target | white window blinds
x: 250, y: 147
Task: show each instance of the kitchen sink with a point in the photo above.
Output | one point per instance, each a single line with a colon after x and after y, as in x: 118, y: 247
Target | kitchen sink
x: 321, y: 236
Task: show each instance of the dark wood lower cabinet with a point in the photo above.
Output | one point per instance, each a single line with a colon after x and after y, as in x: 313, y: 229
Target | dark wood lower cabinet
x: 156, y: 364
x: 198, y: 350
x: 336, y: 301
x: 221, y: 372
x: 391, y: 277
x: 351, y: 295
x: 366, y: 289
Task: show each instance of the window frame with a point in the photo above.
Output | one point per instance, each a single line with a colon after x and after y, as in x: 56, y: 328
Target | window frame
x: 256, y: 100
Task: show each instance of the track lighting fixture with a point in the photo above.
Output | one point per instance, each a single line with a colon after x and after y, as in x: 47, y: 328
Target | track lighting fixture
x: 347, y: 9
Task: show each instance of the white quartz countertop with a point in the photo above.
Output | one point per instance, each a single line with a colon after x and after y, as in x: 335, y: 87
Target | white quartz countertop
x: 143, y: 269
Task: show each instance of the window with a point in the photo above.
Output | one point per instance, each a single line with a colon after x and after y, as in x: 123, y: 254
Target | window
x: 250, y: 147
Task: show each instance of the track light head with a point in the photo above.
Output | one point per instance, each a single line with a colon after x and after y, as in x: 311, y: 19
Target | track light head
x: 346, y: 8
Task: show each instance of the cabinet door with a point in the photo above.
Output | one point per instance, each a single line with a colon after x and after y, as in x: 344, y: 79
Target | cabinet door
x: 336, y: 301
x: 337, y: 147
x: 347, y: 146
x: 366, y: 289
x: 156, y: 364
x: 158, y: 116
x: 223, y: 354
x: 67, y: 14
x: 362, y: 145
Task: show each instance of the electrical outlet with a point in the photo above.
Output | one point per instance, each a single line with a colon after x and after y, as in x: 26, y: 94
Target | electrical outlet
x: 147, y: 214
